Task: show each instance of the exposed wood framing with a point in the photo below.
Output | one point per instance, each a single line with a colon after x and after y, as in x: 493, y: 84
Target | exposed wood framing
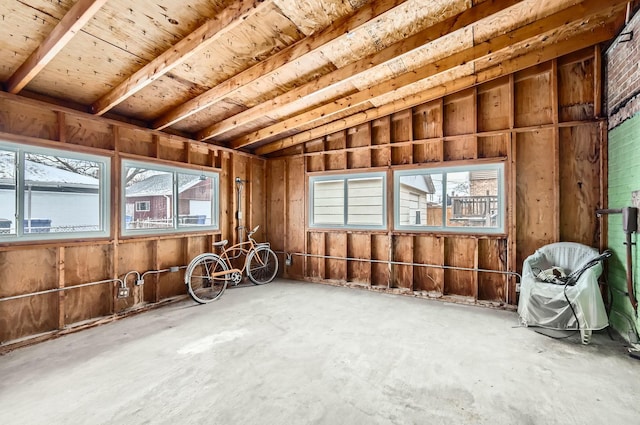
x: 224, y: 22
x: 478, y: 51
x: 79, y: 14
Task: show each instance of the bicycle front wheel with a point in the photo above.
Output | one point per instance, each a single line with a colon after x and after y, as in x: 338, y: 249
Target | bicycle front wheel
x: 203, y: 282
x: 262, y: 266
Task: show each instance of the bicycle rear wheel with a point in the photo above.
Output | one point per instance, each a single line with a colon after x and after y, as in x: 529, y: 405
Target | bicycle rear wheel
x: 202, y: 283
x: 262, y: 266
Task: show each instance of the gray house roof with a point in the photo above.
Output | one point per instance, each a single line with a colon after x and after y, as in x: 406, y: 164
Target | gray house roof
x: 161, y: 184
x: 42, y: 175
x: 422, y: 183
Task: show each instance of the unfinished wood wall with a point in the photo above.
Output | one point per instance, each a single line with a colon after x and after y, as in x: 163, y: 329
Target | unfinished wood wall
x: 543, y: 122
x: 31, y: 267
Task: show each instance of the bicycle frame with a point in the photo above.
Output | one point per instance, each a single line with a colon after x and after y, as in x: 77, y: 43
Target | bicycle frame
x: 236, y: 251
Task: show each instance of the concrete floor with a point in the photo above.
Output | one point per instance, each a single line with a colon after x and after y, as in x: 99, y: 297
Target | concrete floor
x: 292, y: 353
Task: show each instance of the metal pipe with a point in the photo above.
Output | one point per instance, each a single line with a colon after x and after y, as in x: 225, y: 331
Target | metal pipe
x: 630, y: 287
x: 50, y: 291
x: 402, y: 263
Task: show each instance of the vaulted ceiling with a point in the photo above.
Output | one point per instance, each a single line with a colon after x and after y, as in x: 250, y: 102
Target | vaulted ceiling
x: 263, y: 75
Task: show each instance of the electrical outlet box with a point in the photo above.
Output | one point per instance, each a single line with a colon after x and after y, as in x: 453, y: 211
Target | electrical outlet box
x: 139, y: 282
x: 517, y: 287
x: 123, y: 292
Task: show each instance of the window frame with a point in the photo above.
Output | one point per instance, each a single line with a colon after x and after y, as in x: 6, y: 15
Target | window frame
x: 104, y: 193
x: 345, y: 177
x: 500, y: 229
x: 147, y: 208
x: 176, y: 170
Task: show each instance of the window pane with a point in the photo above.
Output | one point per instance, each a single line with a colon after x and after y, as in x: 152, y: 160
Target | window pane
x: 472, y: 199
x: 7, y: 193
x: 365, y: 201
x: 420, y: 200
x: 61, y: 195
x: 194, y: 200
x: 328, y: 202
x: 148, y: 199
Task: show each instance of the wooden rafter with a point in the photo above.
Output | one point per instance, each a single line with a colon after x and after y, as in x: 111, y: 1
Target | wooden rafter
x: 225, y: 21
x: 534, y: 57
x: 583, y: 11
x: 279, y: 59
x: 354, y: 69
x: 79, y: 14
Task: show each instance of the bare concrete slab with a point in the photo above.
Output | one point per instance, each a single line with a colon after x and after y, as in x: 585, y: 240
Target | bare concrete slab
x: 296, y: 353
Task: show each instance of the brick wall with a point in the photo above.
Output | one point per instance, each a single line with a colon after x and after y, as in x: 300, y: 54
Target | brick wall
x: 622, y: 99
x: 622, y: 74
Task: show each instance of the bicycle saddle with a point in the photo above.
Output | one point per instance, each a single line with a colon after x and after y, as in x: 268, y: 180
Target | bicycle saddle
x: 221, y: 243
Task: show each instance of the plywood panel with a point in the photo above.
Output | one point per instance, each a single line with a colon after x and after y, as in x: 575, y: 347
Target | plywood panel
x: 402, y: 252
x: 336, y: 246
x: 579, y: 184
x: 27, y: 271
x: 87, y: 303
x: 492, y: 255
x: 427, y: 120
x: 87, y: 264
x: 276, y: 170
x: 576, y: 91
x: 28, y: 316
x: 87, y: 132
x: 401, y: 132
x: 295, y: 211
x: 315, y: 162
x: 359, y: 136
x: 533, y: 97
x: 535, y: 192
x: 171, y: 253
x: 338, y: 160
x: 428, y: 151
x: 460, y: 148
x: 460, y: 252
x: 135, y: 141
x: 28, y: 120
x: 380, y: 272
x: 359, y: 246
x: 171, y: 149
x: 135, y: 256
x: 493, y: 146
x: 256, y: 201
x: 494, y: 105
x: 428, y: 250
x: 316, y: 246
x: 459, y: 113
x: 381, y: 135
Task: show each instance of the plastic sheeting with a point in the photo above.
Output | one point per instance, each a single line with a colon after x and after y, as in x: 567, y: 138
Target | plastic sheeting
x: 544, y: 304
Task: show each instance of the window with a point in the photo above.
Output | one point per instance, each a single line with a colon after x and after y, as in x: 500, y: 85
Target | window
x: 143, y: 206
x: 160, y: 198
x: 354, y: 201
x: 456, y: 199
x: 52, y: 194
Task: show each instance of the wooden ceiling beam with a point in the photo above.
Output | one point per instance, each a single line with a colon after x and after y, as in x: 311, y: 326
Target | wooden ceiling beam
x: 588, y: 37
x: 79, y: 14
x: 583, y: 11
x: 308, y: 44
x: 353, y: 70
x: 226, y: 20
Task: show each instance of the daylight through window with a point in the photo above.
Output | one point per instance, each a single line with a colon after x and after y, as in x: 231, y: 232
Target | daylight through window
x: 49, y: 194
x: 354, y: 201
x: 458, y: 199
x: 159, y: 198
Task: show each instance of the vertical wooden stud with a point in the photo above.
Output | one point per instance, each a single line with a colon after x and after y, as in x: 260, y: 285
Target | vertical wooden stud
x: 62, y: 127
x: 61, y: 278
x: 597, y: 81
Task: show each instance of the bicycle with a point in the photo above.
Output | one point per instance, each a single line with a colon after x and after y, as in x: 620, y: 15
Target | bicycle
x: 208, y: 274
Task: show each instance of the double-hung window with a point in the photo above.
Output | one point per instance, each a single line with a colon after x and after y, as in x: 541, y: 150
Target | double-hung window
x: 466, y: 199
x: 159, y: 198
x: 52, y: 194
x: 354, y: 201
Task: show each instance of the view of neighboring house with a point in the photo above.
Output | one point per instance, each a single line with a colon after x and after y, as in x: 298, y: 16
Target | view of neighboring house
x: 55, y: 200
x: 417, y: 192
x: 149, y: 202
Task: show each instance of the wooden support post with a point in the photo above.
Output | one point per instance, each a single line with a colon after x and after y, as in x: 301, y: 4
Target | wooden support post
x: 61, y: 279
x: 597, y: 81
x: 156, y: 266
x: 555, y: 111
x: 285, y: 210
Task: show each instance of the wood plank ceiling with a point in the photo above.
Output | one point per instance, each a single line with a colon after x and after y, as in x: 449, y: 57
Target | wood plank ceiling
x: 264, y: 75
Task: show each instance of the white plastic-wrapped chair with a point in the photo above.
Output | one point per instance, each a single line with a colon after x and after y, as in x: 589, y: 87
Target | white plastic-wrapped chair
x: 545, y: 304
